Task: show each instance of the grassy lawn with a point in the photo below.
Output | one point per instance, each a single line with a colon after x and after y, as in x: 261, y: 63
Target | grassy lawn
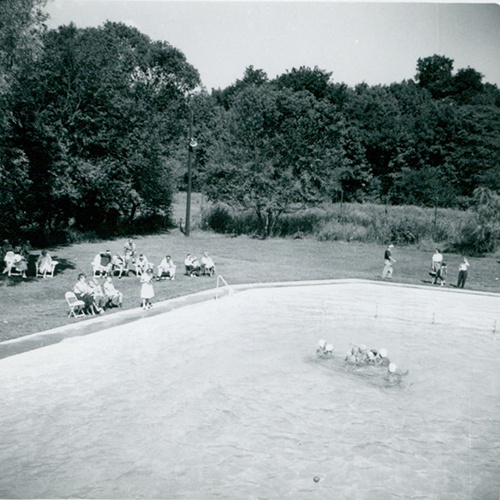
x: 35, y: 304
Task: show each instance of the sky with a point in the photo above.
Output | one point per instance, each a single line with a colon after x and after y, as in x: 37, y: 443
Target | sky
x: 375, y: 43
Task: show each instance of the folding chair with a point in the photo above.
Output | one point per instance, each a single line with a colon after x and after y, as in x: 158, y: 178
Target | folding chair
x: 75, y: 306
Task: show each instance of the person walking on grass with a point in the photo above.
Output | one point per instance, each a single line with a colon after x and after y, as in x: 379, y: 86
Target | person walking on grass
x: 437, y: 262
x: 462, y: 273
x: 147, y: 290
x: 388, y: 261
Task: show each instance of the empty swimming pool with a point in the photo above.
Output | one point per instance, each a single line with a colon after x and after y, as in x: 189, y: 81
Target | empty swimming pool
x: 226, y: 399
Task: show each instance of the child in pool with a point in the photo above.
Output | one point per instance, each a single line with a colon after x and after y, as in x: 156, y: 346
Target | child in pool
x: 395, y: 374
x: 381, y: 358
x: 324, y: 349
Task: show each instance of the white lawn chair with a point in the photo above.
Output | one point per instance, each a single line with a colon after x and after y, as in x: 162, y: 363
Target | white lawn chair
x: 75, y: 305
x: 50, y: 274
x: 101, y: 265
x: 11, y: 264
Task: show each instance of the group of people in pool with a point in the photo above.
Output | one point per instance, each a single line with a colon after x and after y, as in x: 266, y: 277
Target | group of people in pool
x: 360, y: 355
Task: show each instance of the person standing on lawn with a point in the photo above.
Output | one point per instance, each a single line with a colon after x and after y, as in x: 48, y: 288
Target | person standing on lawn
x: 388, y: 261
x: 129, y: 254
x: 147, y: 290
x: 437, y: 261
x: 462, y: 273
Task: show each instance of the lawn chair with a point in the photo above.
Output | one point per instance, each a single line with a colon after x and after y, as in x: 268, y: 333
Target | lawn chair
x: 207, y: 265
x: 15, y: 264
x: 49, y: 273
x: 101, y: 265
x: 119, y: 266
x: 75, y: 306
x: 142, y: 265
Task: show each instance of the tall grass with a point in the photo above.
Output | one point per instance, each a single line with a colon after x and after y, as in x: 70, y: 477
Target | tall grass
x: 354, y: 222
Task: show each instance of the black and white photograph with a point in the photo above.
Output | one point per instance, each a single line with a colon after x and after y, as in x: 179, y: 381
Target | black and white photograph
x: 249, y: 250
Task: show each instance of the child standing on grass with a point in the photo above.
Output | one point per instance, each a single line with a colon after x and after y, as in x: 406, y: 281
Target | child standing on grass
x: 388, y: 261
x: 462, y: 273
x: 147, y: 291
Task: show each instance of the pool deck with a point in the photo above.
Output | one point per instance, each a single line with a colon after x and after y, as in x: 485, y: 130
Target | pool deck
x: 85, y: 326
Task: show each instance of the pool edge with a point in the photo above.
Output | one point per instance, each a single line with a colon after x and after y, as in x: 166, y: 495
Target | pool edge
x: 87, y: 326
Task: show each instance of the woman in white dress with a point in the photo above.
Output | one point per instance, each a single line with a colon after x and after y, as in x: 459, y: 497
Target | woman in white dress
x: 147, y: 290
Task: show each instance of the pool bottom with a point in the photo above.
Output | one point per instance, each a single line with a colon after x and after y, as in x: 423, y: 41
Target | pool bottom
x: 225, y: 399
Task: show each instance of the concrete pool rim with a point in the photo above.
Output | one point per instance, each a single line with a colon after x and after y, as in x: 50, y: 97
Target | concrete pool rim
x: 87, y: 326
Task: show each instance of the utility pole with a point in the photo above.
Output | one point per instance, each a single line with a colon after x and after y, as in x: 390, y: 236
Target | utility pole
x: 192, y: 145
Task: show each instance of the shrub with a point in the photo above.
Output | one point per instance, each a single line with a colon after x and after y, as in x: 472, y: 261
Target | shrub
x: 218, y: 218
x: 474, y: 237
x: 404, y: 231
x: 303, y: 222
x: 452, y: 229
x: 246, y: 223
x: 334, y: 230
x: 146, y: 224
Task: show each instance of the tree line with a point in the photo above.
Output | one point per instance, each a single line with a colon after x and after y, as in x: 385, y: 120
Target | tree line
x: 94, y: 133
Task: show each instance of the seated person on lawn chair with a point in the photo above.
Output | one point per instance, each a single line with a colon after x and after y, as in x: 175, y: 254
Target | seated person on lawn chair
x: 45, y: 264
x: 115, y: 298
x: 14, y: 261
x: 84, y: 291
x: 119, y: 266
x: 207, y: 265
x: 195, y: 267
x: 100, y: 298
x: 141, y: 265
x: 166, y: 269
x: 102, y: 263
x: 192, y: 266
x: 6, y: 247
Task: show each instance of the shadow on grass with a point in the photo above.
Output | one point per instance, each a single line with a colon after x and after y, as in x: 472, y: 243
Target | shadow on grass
x: 62, y: 265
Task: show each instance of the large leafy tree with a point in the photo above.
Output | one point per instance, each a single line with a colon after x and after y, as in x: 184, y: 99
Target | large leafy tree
x: 375, y: 114
x: 277, y: 153
x: 467, y: 85
x: 98, y: 136
x: 252, y: 76
x: 423, y: 150
x: 316, y: 81
x: 434, y: 73
x: 21, y: 31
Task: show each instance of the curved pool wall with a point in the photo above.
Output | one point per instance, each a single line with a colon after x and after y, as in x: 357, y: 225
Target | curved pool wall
x: 226, y: 399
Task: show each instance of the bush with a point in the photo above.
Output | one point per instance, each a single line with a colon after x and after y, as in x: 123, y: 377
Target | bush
x: 404, y: 231
x: 368, y: 222
x: 146, y: 224
x: 218, y: 218
x: 304, y: 222
x: 475, y: 238
x: 339, y: 231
